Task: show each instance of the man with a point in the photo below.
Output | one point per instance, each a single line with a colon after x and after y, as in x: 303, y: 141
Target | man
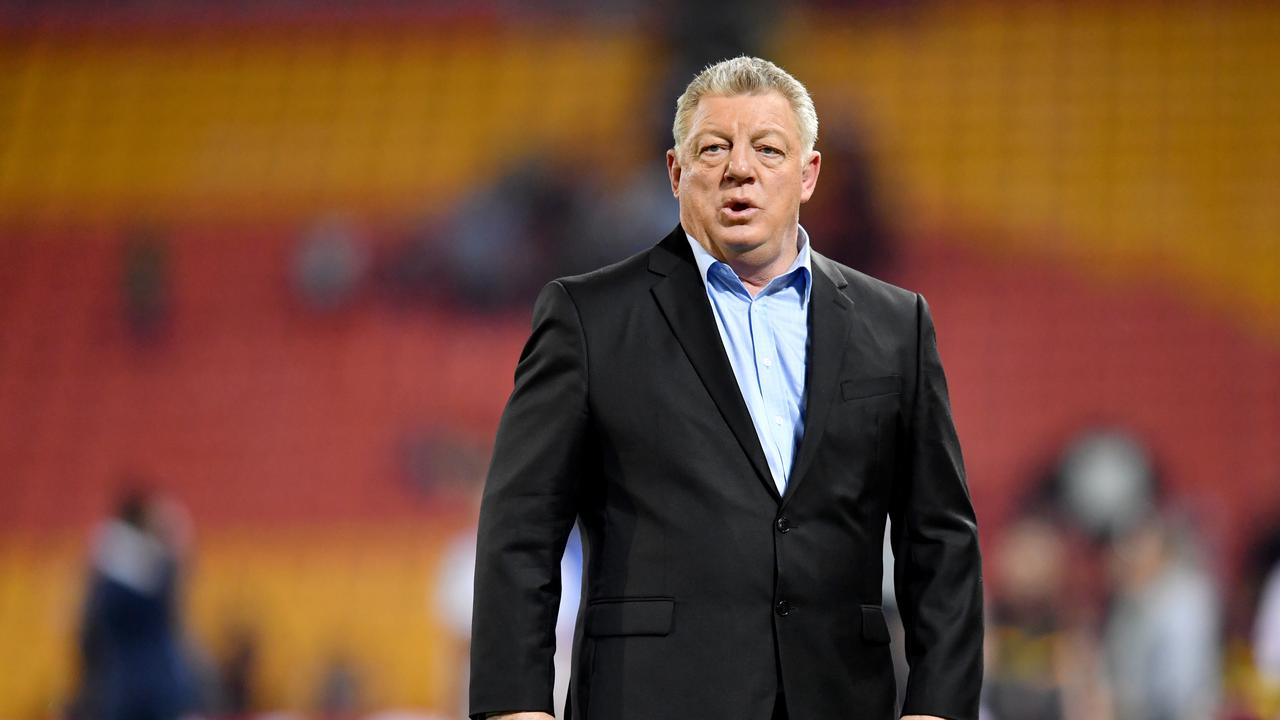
x: 730, y: 417
x: 132, y: 661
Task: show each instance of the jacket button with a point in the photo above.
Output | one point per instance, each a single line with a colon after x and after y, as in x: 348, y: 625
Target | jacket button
x: 784, y: 525
x: 782, y: 608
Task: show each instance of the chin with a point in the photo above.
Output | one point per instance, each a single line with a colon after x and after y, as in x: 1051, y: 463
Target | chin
x: 740, y: 238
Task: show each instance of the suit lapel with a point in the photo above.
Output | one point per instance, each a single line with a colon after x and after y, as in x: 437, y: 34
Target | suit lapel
x: 682, y: 296
x: 829, y: 320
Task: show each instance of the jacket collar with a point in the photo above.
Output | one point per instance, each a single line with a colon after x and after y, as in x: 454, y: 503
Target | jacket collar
x: 681, y: 295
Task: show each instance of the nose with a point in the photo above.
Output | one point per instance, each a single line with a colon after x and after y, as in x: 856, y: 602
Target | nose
x: 739, y: 168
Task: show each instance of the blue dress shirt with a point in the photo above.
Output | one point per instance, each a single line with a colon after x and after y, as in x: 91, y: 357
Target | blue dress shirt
x: 767, y: 340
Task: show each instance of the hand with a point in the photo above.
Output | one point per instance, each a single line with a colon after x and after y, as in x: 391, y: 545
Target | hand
x: 522, y: 716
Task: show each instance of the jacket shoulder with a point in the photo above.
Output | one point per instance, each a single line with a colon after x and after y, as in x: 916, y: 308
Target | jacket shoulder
x: 613, y: 281
x: 869, y: 291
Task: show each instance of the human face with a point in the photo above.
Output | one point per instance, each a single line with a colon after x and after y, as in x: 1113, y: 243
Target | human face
x: 742, y: 176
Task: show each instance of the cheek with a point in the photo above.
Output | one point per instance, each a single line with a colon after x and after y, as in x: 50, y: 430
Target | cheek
x: 700, y: 187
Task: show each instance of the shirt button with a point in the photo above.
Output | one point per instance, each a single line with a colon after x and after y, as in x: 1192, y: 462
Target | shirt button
x: 767, y: 362
x: 784, y: 525
x: 777, y: 420
x: 782, y: 608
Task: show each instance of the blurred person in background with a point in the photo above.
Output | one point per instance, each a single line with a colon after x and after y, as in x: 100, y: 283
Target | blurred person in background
x: 1266, y: 624
x: 146, y: 284
x: 848, y: 214
x: 237, y: 672
x: 505, y: 238
x: 1028, y: 649
x: 454, y: 598
x: 731, y: 418
x: 340, y: 689
x: 1162, y: 635
x: 134, y: 665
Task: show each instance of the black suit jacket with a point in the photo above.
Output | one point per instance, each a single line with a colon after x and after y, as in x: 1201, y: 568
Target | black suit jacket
x: 705, y: 592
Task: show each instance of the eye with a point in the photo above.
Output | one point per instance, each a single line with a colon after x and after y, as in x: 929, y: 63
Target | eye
x: 712, y: 149
x: 769, y: 151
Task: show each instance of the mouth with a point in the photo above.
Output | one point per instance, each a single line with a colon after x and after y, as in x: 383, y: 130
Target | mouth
x: 738, y: 209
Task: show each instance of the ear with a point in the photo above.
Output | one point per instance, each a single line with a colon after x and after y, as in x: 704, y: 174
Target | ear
x: 809, y: 175
x: 673, y: 171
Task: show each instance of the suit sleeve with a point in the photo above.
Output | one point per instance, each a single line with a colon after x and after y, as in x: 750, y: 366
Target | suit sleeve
x: 938, y: 569
x: 528, y: 510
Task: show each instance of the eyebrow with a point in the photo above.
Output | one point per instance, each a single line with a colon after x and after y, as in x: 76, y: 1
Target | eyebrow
x: 771, y: 131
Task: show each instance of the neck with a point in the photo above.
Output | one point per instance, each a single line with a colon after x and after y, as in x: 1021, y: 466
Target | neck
x: 757, y: 266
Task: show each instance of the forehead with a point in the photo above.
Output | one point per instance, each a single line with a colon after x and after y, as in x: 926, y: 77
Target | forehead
x: 745, y: 113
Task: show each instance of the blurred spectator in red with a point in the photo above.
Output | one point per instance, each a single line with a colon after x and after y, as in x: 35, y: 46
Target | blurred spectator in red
x: 329, y: 264
x: 1162, y: 635
x: 145, y: 284
x: 133, y: 663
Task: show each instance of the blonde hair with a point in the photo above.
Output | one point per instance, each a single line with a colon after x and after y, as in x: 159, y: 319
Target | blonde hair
x: 746, y: 76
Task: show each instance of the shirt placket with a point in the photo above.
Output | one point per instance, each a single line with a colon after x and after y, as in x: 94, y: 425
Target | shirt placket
x: 769, y: 382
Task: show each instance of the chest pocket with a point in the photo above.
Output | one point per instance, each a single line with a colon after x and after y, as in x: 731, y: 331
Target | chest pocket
x: 870, y: 418
x: 866, y: 388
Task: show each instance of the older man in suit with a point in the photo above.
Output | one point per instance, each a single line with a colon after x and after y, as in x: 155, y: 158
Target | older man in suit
x: 730, y: 417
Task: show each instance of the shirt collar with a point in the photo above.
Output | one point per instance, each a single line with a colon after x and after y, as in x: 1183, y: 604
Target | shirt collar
x: 706, y: 260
